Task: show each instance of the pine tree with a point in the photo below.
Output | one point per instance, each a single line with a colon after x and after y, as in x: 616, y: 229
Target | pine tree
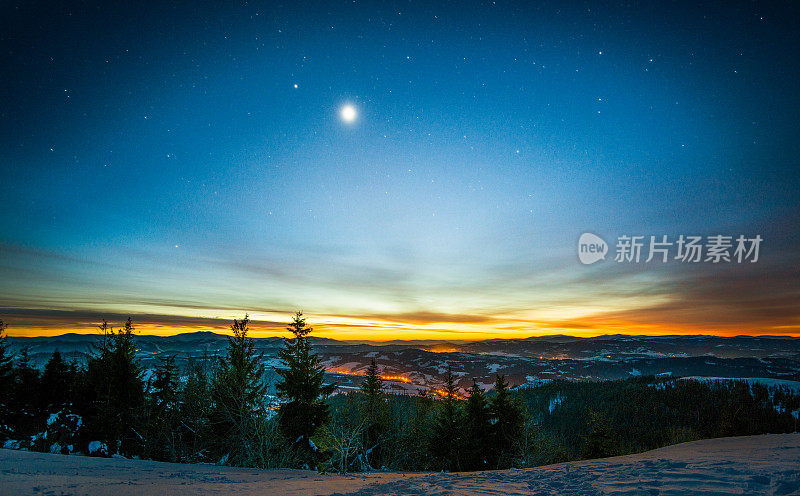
x: 508, y: 421
x: 599, y: 442
x: 57, y: 421
x: 6, y: 383
x: 475, y: 446
x: 161, y: 431
x: 238, y: 389
x: 445, y: 435
x: 6, y: 357
x: 25, y: 414
x: 56, y: 385
x: 303, y: 392
x: 194, y: 413
x: 164, y: 387
x: 372, y: 388
x: 115, y: 392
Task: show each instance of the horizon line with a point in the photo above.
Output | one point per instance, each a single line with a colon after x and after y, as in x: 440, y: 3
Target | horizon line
x: 521, y: 338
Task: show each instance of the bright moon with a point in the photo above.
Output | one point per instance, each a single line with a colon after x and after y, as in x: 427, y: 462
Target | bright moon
x: 348, y: 113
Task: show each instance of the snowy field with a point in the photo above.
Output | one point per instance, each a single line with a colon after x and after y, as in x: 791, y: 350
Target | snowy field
x: 768, y: 465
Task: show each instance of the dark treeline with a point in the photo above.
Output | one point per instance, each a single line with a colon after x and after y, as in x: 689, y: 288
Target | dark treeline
x: 598, y: 419
x: 218, y: 411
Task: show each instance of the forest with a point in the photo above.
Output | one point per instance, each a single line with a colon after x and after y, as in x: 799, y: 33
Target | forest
x: 217, y: 411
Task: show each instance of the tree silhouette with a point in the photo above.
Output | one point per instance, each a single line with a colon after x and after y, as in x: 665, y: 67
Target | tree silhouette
x: 115, y: 391
x: 372, y: 387
x: 447, y: 428
x: 25, y: 396
x: 508, y: 420
x: 194, y: 411
x: 163, y: 422
x: 56, y: 385
x: 237, y: 391
x: 374, y: 415
x: 599, y: 442
x: 6, y: 381
x: 303, y: 391
x: 475, y: 446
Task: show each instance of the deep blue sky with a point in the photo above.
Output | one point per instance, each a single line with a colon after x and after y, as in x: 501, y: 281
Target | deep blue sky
x: 158, y: 160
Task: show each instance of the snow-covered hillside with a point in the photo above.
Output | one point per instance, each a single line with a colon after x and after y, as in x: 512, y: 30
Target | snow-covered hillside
x: 765, y: 464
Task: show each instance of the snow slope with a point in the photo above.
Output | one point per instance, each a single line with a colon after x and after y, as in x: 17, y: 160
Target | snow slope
x: 768, y: 465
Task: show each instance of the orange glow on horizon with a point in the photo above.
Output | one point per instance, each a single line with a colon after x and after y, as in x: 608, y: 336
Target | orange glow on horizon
x: 400, y: 334
x: 362, y: 329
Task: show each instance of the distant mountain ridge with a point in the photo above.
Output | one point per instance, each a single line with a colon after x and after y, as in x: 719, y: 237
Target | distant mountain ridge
x: 522, y: 360
x: 792, y: 343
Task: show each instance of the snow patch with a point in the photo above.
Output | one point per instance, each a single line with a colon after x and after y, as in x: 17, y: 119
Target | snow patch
x: 12, y: 444
x: 98, y: 448
x: 555, y: 402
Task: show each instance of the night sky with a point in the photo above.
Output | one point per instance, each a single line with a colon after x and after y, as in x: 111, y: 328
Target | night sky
x: 400, y: 170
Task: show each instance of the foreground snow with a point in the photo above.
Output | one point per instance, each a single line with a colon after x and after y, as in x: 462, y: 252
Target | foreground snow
x: 767, y: 464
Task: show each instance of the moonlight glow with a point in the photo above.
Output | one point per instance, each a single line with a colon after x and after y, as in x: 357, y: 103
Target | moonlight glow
x: 348, y: 113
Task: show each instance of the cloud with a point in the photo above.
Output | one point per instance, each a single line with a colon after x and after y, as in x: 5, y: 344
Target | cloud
x: 548, y: 294
x: 83, y: 318
x: 745, y: 297
x: 426, y: 317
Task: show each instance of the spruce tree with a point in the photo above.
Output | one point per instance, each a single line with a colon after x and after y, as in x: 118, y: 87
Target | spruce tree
x: 508, y: 420
x: 115, y: 390
x: 372, y: 388
x: 25, y: 413
x: 6, y: 357
x: 162, y: 412
x: 238, y: 389
x: 476, y: 443
x: 57, y: 418
x: 445, y: 438
x: 164, y: 386
x: 302, y: 389
x: 56, y: 385
x: 6, y: 383
x: 194, y: 412
x: 599, y: 442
